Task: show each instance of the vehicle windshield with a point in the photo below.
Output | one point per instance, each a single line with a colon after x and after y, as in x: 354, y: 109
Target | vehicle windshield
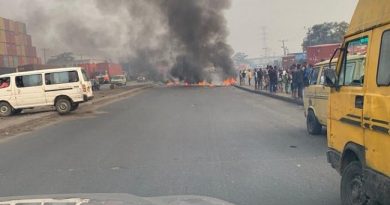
x: 229, y: 99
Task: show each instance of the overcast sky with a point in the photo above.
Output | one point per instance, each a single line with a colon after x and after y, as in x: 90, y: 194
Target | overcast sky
x: 283, y: 20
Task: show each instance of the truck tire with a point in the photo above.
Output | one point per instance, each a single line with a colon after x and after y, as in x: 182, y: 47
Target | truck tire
x: 74, y: 107
x: 63, y: 106
x: 352, y: 185
x: 313, y: 126
x: 5, y: 109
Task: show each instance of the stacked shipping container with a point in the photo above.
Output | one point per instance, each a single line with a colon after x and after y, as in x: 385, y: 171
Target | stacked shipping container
x: 15, y: 45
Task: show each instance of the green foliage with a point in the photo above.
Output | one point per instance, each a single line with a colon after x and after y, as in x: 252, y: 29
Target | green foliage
x: 329, y: 32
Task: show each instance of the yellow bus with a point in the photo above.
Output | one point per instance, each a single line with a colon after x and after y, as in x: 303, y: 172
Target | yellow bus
x: 359, y: 107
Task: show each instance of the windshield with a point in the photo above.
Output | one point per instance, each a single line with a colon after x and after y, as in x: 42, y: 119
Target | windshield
x: 229, y: 99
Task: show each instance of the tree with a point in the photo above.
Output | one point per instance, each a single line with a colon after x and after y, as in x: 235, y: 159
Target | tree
x: 329, y: 32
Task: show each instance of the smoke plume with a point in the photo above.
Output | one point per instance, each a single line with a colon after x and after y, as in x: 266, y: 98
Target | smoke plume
x: 184, y: 38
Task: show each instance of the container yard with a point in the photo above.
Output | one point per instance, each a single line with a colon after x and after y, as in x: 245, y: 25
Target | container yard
x: 16, y: 45
x: 318, y: 53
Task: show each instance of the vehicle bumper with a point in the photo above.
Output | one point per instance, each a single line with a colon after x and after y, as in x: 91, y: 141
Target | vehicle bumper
x: 87, y: 98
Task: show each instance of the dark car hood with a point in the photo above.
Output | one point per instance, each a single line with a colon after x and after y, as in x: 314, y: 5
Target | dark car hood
x: 111, y: 199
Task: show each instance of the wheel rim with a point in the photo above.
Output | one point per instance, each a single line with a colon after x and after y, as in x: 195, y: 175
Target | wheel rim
x: 357, y: 193
x: 4, y: 109
x: 63, y: 106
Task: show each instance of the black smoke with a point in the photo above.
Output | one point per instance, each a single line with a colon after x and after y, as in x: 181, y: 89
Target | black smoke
x: 186, y: 36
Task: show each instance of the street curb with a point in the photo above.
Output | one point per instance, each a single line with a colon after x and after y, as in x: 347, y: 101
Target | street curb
x: 283, y: 98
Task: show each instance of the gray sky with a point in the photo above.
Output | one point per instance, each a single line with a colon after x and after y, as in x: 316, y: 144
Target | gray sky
x: 283, y: 19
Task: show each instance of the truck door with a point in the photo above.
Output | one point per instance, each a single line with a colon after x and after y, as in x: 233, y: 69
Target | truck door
x: 348, y: 100
x: 322, y: 94
x: 377, y: 105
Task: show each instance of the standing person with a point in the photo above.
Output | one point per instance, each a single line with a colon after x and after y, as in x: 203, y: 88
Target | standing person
x: 249, y: 73
x: 260, y: 79
x: 273, y: 79
x: 294, y: 81
x: 243, y: 76
x: 240, y: 76
x: 285, y: 81
x: 300, y: 81
x: 306, y: 73
x: 256, y: 78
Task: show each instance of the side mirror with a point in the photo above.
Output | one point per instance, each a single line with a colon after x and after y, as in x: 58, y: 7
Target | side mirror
x: 330, y: 78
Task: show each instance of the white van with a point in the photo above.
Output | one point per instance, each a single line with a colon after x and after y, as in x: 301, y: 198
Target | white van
x: 64, y: 88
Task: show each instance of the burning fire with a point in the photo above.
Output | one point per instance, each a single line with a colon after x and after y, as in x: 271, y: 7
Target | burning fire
x: 229, y: 82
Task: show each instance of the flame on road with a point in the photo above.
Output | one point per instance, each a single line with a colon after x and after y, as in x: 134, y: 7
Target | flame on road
x: 227, y: 82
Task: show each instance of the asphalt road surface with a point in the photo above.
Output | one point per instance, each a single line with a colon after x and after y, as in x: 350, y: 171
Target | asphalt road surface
x: 218, y: 142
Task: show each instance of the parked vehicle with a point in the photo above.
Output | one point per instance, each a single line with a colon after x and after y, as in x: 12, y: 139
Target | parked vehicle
x: 141, y: 79
x: 316, y: 96
x: 359, y: 105
x: 119, y: 80
x: 64, y: 88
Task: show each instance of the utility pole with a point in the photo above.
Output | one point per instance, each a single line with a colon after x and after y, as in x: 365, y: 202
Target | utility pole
x: 264, y: 35
x: 285, y: 49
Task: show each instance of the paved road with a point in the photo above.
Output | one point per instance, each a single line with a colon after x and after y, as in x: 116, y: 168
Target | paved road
x: 219, y: 142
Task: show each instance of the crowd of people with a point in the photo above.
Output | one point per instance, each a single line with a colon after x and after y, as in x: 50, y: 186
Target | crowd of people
x: 273, y: 79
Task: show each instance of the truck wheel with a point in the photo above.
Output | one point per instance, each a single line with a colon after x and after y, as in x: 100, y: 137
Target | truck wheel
x: 352, y: 185
x: 74, y: 107
x: 63, y: 106
x: 5, y: 109
x: 313, y: 126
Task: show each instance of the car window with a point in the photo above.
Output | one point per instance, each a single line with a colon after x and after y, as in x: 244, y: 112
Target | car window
x: 314, y: 76
x: 28, y: 81
x: 61, y: 77
x: 384, y: 61
x: 352, y: 71
x: 5, y: 82
x: 322, y: 78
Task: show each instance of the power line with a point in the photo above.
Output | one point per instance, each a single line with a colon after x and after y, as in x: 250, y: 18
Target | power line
x: 284, y: 47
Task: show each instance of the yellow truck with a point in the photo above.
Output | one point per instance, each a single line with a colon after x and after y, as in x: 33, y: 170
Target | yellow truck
x: 359, y: 107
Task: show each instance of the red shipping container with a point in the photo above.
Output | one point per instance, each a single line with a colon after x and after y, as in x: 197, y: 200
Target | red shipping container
x: 319, y: 53
x: 21, y: 60
x: 11, y: 49
x: 10, y: 37
x: 111, y: 69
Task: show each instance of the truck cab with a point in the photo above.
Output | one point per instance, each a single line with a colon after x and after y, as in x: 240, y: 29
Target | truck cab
x: 359, y: 107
